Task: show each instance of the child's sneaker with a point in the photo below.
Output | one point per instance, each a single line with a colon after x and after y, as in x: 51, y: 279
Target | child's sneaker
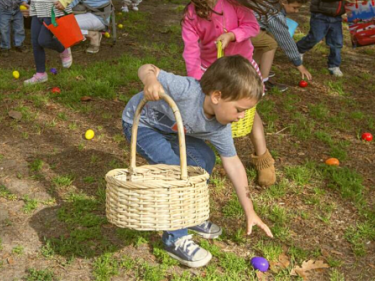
x: 125, y: 9
x: 335, y: 71
x: 188, y: 253
x: 271, y: 74
x: 264, y: 165
x: 272, y: 85
x: 135, y: 8
x: 66, y: 58
x: 207, y: 230
x: 37, y: 78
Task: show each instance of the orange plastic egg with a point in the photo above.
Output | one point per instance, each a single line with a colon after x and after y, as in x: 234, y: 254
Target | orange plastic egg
x: 333, y: 162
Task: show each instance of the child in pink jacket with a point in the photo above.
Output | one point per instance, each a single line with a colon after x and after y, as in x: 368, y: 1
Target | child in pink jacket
x: 207, y: 21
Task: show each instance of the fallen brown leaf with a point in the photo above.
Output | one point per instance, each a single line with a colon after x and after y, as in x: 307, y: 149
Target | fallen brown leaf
x: 15, y: 114
x: 284, y: 260
x: 307, y: 266
x: 86, y: 98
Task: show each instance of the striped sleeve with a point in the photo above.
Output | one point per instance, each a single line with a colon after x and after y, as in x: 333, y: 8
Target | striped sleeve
x: 279, y: 29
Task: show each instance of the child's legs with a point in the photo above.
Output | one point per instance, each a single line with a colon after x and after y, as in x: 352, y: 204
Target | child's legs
x: 46, y: 39
x: 334, y: 40
x: 5, y: 20
x: 88, y: 22
x: 318, y: 29
x: 39, y: 53
x: 257, y: 136
x: 264, y: 51
x: 157, y: 148
x: 18, y: 29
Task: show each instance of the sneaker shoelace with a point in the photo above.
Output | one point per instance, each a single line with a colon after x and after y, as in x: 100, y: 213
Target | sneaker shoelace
x: 186, y: 244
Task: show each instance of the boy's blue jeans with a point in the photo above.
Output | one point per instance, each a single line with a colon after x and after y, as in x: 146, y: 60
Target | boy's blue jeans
x: 42, y: 38
x: 324, y: 26
x: 12, y: 18
x: 159, y: 148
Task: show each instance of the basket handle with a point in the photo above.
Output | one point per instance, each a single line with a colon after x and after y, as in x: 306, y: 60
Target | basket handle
x: 180, y: 129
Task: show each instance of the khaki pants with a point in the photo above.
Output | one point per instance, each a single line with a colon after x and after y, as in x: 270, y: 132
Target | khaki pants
x: 263, y: 42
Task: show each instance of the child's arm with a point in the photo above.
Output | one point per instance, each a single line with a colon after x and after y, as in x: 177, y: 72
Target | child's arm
x: 148, y: 74
x: 192, y: 52
x: 237, y: 174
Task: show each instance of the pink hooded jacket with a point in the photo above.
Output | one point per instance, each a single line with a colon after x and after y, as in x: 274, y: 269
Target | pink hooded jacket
x: 199, y: 35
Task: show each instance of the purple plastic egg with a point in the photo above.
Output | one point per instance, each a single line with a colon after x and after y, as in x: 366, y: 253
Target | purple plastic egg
x: 260, y: 264
x: 53, y: 70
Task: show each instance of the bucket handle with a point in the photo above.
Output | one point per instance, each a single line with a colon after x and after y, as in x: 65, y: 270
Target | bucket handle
x: 180, y: 130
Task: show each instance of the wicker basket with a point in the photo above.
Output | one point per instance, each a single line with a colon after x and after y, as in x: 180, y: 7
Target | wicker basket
x: 157, y: 197
x: 245, y: 125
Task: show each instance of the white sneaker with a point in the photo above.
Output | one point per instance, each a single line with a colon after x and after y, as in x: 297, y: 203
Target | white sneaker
x: 36, y: 79
x: 135, y: 8
x: 125, y: 9
x: 66, y: 58
x: 335, y: 71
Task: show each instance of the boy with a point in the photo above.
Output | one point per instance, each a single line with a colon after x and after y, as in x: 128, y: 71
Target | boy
x: 228, y: 88
x: 274, y: 27
x: 326, y: 22
x: 10, y: 14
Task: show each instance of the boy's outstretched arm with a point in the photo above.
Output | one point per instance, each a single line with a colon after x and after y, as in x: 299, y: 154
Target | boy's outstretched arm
x: 148, y: 74
x: 237, y: 174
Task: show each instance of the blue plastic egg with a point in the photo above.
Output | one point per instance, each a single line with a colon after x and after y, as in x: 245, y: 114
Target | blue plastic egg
x: 260, y: 264
x: 53, y: 70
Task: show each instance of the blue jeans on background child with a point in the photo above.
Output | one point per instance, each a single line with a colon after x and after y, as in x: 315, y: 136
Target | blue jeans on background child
x: 12, y: 18
x: 42, y: 38
x: 159, y: 148
x: 324, y: 26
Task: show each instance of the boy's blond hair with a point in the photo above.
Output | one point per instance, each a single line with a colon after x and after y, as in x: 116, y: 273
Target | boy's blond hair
x: 235, y: 77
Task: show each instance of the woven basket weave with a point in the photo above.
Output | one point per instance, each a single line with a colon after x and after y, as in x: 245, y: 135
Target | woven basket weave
x: 245, y: 125
x: 157, y: 197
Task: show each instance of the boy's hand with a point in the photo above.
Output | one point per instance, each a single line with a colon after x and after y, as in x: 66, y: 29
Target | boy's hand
x: 25, y: 13
x: 152, y: 89
x: 304, y: 72
x: 252, y: 220
x: 225, y: 38
x: 59, y: 6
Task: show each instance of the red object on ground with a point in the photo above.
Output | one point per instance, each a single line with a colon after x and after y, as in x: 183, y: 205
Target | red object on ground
x: 367, y: 136
x: 56, y: 90
x: 303, y: 84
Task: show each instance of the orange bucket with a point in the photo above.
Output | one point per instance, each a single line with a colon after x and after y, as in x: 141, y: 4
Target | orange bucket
x: 65, y: 29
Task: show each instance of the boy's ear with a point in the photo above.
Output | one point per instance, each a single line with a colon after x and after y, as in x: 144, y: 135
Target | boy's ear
x: 215, y: 96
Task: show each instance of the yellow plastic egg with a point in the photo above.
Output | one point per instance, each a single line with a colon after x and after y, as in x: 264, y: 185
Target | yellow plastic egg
x: 23, y: 8
x: 107, y: 35
x: 89, y: 134
x: 120, y: 26
x: 16, y: 74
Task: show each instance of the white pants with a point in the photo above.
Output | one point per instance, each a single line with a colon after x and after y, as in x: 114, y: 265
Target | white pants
x: 88, y: 22
x: 132, y: 2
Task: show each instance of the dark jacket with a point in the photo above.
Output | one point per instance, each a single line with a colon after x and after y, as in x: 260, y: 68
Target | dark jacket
x: 10, y: 5
x: 333, y: 8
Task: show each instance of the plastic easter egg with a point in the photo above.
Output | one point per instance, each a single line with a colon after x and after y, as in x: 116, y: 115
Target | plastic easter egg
x: 16, y: 74
x: 107, y: 34
x: 53, y: 70
x: 120, y: 26
x: 260, y: 263
x: 303, y: 84
x: 23, y: 8
x: 367, y: 136
x: 56, y: 90
x: 89, y: 134
x: 333, y: 162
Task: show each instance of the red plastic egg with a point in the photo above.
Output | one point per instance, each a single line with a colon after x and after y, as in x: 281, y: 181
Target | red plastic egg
x: 302, y: 84
x: 367, y: 136
x: 56, y: 90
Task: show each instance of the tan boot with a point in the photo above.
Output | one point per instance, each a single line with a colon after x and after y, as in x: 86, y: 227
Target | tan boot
x: 264, y: 165
x: 95, y: 38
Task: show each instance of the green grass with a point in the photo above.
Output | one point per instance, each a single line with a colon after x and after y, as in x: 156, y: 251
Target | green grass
x: 30, y: 205
x: 39, y: 275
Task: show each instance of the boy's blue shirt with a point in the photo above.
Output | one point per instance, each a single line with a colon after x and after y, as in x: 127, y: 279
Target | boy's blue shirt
x: 187, y: 94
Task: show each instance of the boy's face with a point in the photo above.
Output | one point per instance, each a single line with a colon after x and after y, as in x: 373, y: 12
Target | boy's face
x: 232, y: 111
x: 291, y: 8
